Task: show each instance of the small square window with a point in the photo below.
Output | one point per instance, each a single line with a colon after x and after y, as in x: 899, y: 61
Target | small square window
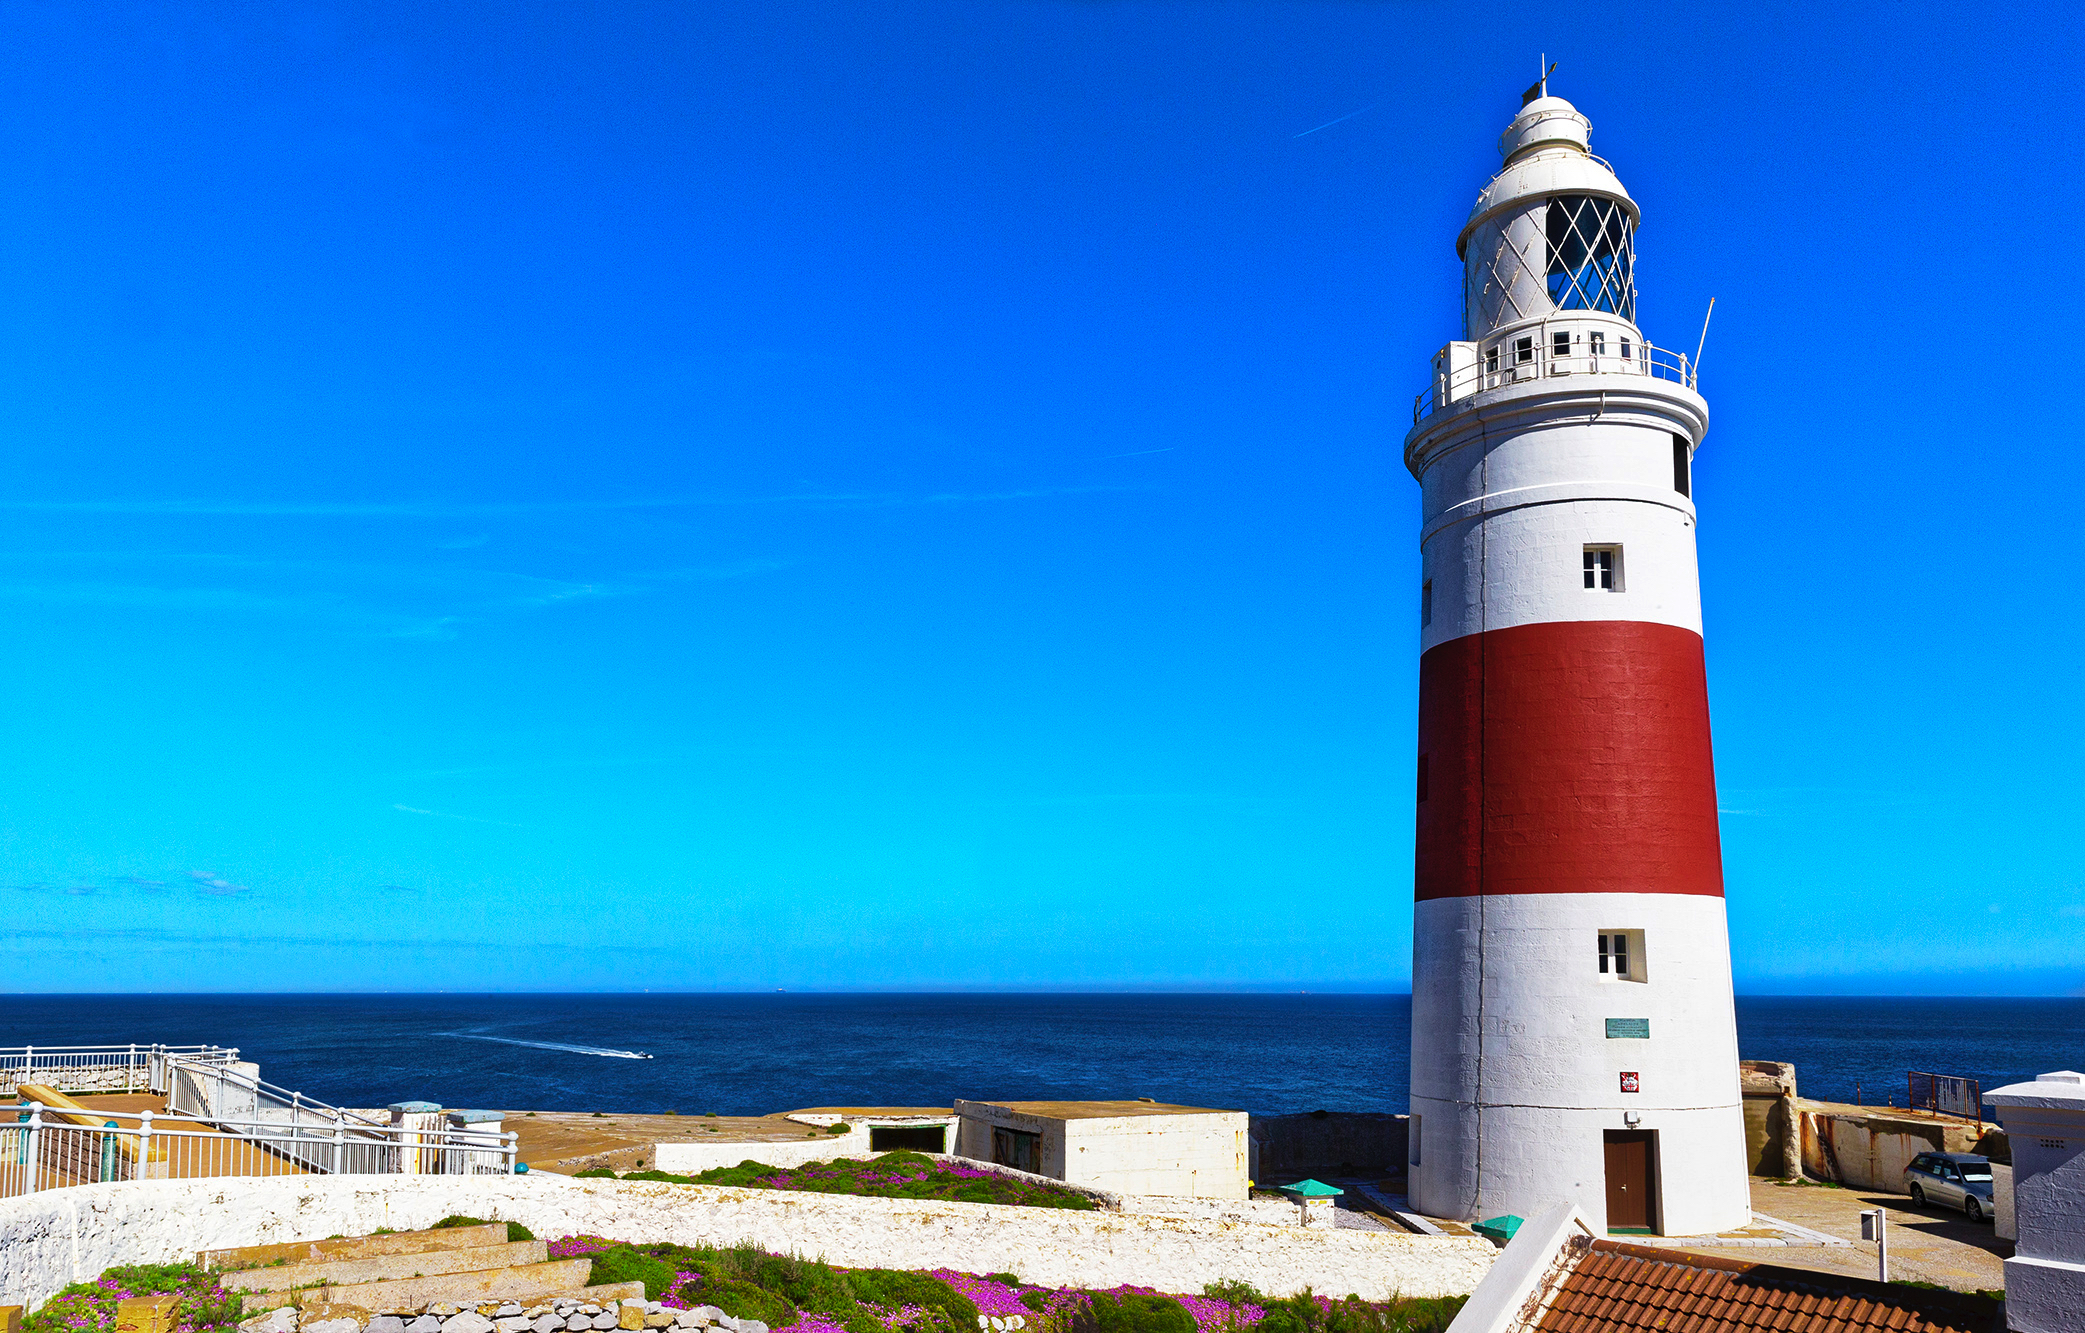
x: 1491, y: 359
x: 1603, y: 568
x: 1523, y: 351
x: 1621, y: 956
x: 1426, y: 603
x: 1596, y: 343
x: 1625, y: 349
x: 1559, y: 345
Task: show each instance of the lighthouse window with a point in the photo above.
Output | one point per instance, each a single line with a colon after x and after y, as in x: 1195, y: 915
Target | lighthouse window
x: 1603, y: 568
x: 1491, y: 359
x: 1621, y: 959
x: 1596, y: 343
x: 1559, y: 345
x: 1426, y: 603
x: 1523, y: 351
x: 1422, y: 777
x: 1682, y: 479
x: 1591, y: 255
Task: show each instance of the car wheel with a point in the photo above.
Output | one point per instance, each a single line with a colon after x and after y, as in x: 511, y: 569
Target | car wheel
x: 1918, y: 1197
x: 1974, y: 1209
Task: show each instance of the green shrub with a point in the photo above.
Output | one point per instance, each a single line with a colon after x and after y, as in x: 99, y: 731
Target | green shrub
x: 1303, y: 1314
x: 86, y: 1306
x: 1130, y: 1313
x: 625, y: 1264
x: 1235, y: 1293
x: 744, y: 1300
x: 515, y: 1231
x: 891, y: 1288
x: 840, y: 1128
x: 898, y: 1175
x: 594, y: 1173
x: 1037, y: 1300
x: 665, y: 1176
x: 1003, y: 1279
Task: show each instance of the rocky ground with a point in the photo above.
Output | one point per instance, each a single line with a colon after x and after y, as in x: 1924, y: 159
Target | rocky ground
x: 569, y: 1141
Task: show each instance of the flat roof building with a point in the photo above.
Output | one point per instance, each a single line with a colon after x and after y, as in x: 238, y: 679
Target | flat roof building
x: 1125, y: 1147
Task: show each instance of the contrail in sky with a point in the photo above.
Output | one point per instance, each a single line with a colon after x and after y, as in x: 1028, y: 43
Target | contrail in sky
x: 1330, y: 123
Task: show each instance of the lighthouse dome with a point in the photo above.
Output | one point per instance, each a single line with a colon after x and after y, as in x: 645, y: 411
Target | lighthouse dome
x: 1547, y: 153
x: 1553, y: 231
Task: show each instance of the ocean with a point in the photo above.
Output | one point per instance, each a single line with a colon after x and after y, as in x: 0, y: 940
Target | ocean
x: 745, y: 1054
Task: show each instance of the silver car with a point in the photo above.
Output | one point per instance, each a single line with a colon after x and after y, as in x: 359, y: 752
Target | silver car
x: 1951, y: 1180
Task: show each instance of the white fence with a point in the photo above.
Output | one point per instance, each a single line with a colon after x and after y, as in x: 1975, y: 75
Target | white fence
x: 232, y: 1124
x: 130, y: 1068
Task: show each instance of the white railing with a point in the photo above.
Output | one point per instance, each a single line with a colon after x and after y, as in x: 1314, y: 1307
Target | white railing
x: 43, y: 1149
x: 1531, y: 353
x: 131, y: 1068
x: 220, y: 1091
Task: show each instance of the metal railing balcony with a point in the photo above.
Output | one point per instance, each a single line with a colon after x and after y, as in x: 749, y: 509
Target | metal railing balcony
x: 1534, y: 352
x: 43, y: 1149
x: 221, y: 1119
x: 131, y: 1068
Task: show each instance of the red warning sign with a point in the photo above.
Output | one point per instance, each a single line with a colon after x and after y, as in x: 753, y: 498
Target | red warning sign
x: 1629, y: 1083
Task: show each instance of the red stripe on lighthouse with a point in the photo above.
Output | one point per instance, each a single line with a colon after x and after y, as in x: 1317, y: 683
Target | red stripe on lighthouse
x: 1567, y: 757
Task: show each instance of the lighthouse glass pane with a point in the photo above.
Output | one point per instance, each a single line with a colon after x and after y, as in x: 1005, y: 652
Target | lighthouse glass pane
x: 1591, y: 255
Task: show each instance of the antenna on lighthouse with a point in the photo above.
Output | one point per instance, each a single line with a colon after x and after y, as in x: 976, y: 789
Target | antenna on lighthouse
x: 1540, y: 87
x: 1704, y: 336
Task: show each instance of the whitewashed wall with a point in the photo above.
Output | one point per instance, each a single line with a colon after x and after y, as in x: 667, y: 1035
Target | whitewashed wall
x: 48, y: 1240
x: 694, y: 1158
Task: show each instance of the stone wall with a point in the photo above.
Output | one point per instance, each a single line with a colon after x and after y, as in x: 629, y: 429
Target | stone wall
x: 1771, y: 1127
x: 76, y: 1078
x: 59, y: 1236
x: 1870, y: 1149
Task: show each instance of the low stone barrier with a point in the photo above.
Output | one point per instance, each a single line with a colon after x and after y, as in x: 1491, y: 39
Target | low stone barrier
x: 57, y: 1237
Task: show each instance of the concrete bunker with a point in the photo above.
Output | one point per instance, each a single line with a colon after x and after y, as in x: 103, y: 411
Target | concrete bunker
x: 1126, y: 1147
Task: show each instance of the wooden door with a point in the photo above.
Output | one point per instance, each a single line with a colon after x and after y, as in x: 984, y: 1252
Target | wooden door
x: 1628, y: 1179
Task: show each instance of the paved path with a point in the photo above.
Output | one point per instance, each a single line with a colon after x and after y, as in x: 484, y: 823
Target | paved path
x: 1926, y: 1245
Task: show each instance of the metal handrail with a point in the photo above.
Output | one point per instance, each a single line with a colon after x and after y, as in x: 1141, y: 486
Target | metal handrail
x: 1527, y: 354
x: 224, y: 1077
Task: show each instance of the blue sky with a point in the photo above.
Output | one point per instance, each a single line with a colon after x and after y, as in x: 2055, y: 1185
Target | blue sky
x: 861, y: 495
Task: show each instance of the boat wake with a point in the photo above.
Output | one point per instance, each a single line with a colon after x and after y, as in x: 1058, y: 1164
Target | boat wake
x: 552, y: 1046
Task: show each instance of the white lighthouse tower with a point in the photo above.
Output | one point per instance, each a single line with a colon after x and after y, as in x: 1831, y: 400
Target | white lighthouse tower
x: 1573, y: 1036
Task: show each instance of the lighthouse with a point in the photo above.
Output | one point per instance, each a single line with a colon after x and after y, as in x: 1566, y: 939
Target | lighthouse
x: 1573, y: 1036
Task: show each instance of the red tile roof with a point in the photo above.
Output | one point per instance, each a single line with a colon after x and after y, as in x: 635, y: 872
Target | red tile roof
x: 1617, y: 1288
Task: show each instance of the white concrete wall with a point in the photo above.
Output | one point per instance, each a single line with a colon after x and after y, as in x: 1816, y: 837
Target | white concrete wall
x: 57, y: 1237
x: 1197, y: 1156
x: 1203, y: 1155
x: 1508, y: 518
x: 693, y: 1158
x: 1533, y: 1096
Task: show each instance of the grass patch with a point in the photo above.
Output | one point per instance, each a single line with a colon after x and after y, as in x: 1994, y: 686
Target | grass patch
x: 515, y: 1231
x: 203, y: 1306
x: 784, y: 1292
x: 746, y: 1282
x: 893, y: 1175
